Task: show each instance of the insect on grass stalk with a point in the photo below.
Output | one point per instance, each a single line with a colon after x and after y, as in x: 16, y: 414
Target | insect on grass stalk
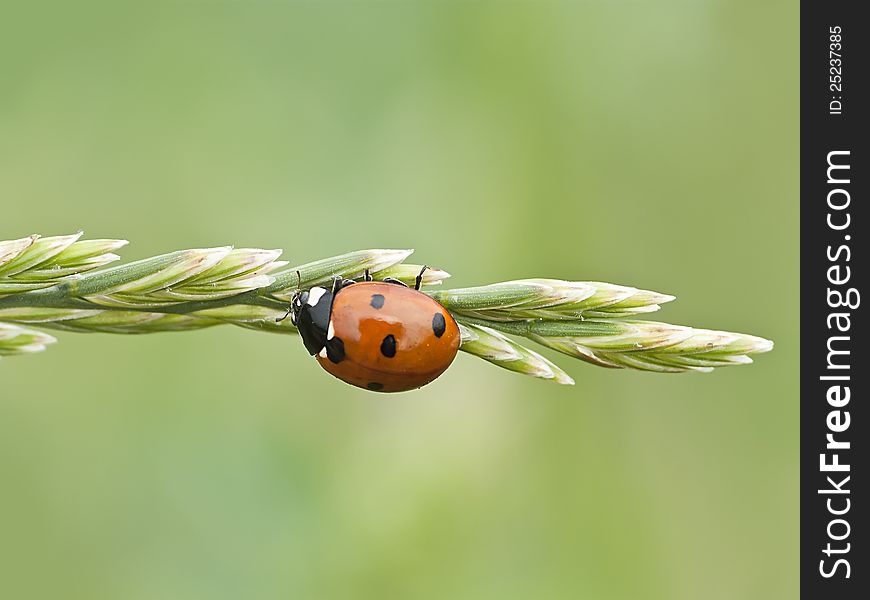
x: 66, y: 283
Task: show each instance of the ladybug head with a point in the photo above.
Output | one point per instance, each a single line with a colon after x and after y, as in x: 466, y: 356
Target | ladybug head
x: 309, y: 312
x: 296, y: 303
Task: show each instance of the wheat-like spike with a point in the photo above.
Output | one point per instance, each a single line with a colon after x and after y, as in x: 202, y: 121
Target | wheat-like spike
x: 352, y: 265
x: 549, y: 299
x: 490, y: 345
x: 643, y: 345
x: 63, y: 283
x: 36, y: 262
x: 21, y: 340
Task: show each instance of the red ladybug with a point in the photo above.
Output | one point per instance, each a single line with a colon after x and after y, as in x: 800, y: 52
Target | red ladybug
x: 378, y: 335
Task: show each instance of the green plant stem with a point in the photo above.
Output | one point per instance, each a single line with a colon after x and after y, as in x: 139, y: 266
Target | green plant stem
x: 63, y: 283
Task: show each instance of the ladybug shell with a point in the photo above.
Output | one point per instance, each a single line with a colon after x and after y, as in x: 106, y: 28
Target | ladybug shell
x: 393, y: 338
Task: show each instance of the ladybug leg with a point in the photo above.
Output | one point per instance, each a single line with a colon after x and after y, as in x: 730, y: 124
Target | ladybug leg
x: 419, y: 280
x: 286, y: 314
x: 339, y: 283
x: 395, y: 281
x: 367, y: 276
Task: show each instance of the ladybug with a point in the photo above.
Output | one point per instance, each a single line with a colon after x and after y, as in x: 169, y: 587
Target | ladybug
x: 377, y: 335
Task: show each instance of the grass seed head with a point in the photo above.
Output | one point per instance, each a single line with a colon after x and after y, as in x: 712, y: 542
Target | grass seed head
x: 63, y: 282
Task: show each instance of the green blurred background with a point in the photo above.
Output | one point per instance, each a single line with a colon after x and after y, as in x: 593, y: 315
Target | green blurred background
x: 652, y: 144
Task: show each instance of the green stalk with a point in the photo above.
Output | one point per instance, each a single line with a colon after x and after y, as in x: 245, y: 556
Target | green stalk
x: 64, y: 283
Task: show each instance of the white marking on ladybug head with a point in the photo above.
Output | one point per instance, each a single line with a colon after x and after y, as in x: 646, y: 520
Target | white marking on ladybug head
x: 322, y: 353
x: 314, y: 295
x: 330, y: 333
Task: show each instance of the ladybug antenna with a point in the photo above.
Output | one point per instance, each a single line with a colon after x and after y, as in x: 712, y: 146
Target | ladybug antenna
x: 298, y: 280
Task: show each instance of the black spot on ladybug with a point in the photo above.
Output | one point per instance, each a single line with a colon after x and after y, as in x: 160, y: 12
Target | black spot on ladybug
x: 375, y: 386
x: 438, y: 324
x: 377, y: 300
x: 335, y: 350
x: 388, y: 346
